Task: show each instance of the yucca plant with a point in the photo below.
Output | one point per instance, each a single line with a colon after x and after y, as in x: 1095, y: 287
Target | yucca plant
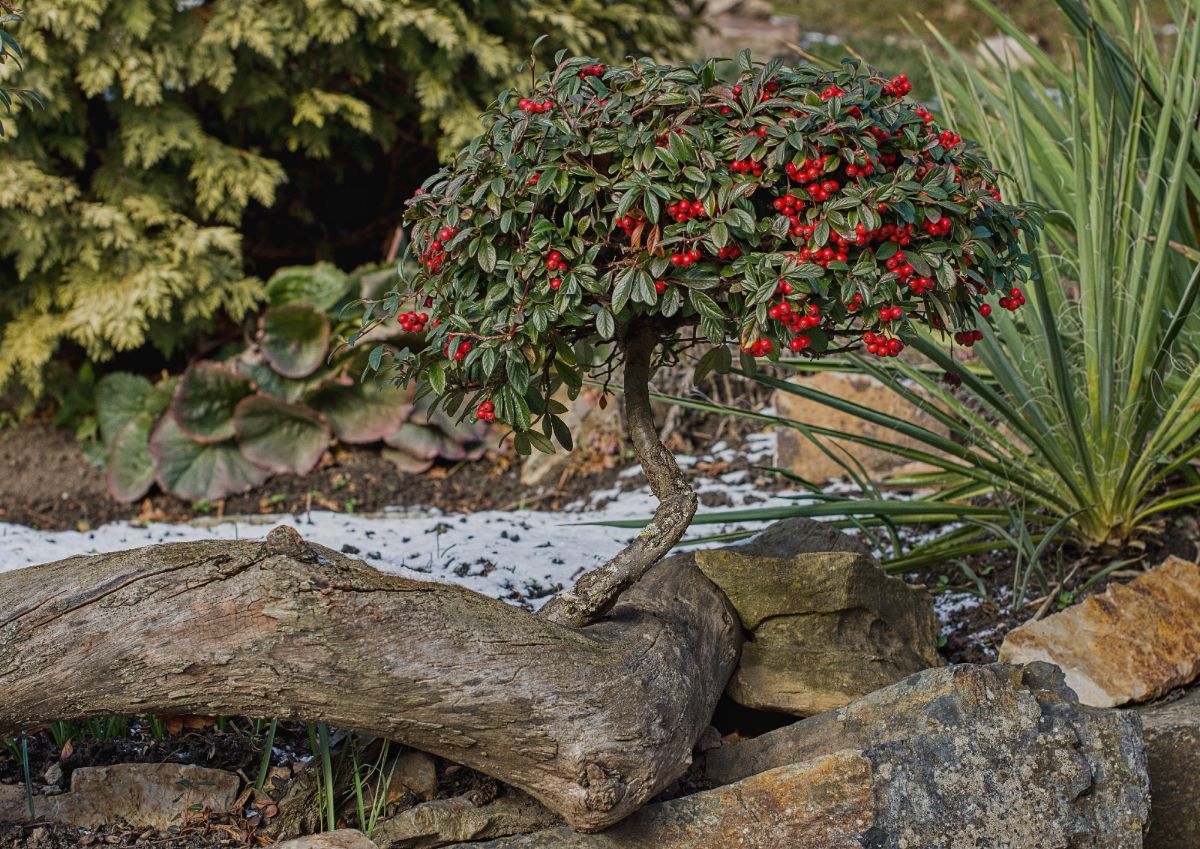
x: 1081, y: 410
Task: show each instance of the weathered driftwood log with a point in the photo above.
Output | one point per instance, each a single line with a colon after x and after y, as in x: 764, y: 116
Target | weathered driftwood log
x: 591, y: 722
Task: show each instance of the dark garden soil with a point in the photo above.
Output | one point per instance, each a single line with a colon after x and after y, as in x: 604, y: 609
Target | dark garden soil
x: 46, y: 483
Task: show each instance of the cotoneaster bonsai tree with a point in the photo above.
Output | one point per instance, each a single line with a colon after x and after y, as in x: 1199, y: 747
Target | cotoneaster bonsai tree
x: 609, y: 215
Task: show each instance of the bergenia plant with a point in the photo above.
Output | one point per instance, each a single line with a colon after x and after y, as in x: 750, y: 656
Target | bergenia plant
x: 611, y: 215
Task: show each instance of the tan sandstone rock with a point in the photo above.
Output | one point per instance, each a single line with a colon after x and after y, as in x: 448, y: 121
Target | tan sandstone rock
x: 155, y: 795
x: 825, y: 627
x: 798, y: 454
x: 1135, y: 642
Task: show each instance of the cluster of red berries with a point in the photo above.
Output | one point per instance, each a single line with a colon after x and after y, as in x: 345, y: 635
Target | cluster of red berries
x: 941, y: 227
x: 892, y: 313
x: 920, y: 285
x: 822, y: 256
x: 760, y: 348
x: 746, y: 166
x: 527, y: 105
x: 683, y: 209
x: 435, y: 255
x: 968, y: 337
x: 807, y: 171
x: 591, y: 71
x: 460, y: 350
x: 898, y: 87
x: 821, y: 192
x: 686, y: 258
x: 554, y: 262
x: 901, y: 234
x: 949, y: 139
x: 864, y: 170
x: 413, y: 322
x: 882, y: 345
x: 730, y: 252
x: 899, y: 264
x: 855, y: 303
x: 1014, y: 301
x: 486, y: 412
x: 925, y: 114
x: 628, y: 223
x: 831, y: 92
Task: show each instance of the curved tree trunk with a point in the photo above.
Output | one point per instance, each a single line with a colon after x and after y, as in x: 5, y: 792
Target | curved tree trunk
x: 591, y: 722
x: 596, y: 592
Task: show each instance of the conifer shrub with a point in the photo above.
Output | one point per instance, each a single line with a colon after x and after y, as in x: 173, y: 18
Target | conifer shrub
x: 187, y: 150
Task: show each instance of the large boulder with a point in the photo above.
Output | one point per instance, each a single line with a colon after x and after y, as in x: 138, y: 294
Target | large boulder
x: 1136, y: 641
x: 797, y: 453
x: 1172, y: 732
x: 825, y: 623
x: 986, y: 757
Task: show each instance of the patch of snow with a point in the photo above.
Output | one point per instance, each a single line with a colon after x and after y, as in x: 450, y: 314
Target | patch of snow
x: 522, y: 556
x: 950, y: 605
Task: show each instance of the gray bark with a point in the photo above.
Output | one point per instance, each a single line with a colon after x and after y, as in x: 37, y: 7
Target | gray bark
x: 590, y: 722
x: 596, y: 592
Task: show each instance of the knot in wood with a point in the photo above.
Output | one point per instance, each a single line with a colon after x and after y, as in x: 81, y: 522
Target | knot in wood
x: 604, y: 787
x: 285, y: 541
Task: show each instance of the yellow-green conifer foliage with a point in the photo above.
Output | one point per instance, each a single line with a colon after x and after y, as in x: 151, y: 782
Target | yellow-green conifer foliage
x: 179, y: 136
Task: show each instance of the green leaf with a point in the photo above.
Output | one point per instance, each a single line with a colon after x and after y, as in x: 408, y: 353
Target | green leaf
x: 319, y: 286
x: 705, y: 305
x: 119, y: 397
x: 281, y: 436
x: 197, y: 471
x: 605, y: 325
x: 294, y: 339
x: 362, y: 413
x: 205, y: 400
x: 130, y: 471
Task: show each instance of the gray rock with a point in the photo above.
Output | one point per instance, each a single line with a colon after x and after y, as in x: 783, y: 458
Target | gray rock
x: 965, y: 757
x: 155, y: 795
x: 446, y: 821
x: 1172, y: 732
x: 826, y: 624
x: 343, y: 838
x: 978, y: 756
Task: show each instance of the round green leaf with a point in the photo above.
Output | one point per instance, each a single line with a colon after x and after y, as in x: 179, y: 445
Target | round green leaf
x: 205, y: 400
x: 130, y: 466
x: 319, y: 286
x: 279, y: 435
x: 119, y: 397
x: 294, y: 339
x: 198, y: 471
x: 362, y: 413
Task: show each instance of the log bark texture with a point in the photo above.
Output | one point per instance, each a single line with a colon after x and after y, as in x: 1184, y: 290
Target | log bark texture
x: 591, y: 722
